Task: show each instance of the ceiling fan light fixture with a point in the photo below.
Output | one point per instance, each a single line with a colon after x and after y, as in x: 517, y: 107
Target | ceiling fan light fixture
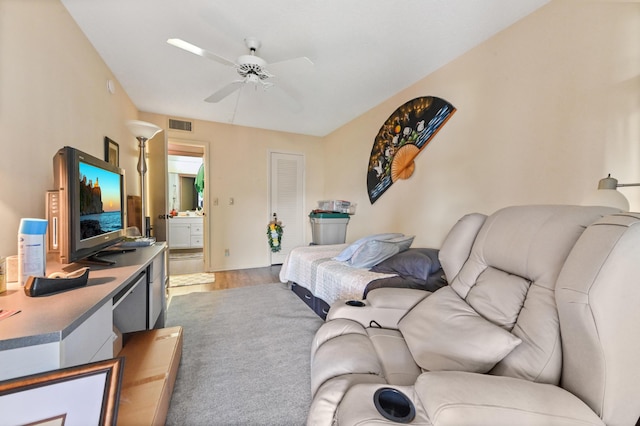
x: 250, y: 67
x: 266, y: 85
x: 250, y: 60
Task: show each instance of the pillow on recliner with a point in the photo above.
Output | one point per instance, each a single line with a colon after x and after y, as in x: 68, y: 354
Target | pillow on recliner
x: 444, y: 333
x: 348, y: 252
x: 373, y: 252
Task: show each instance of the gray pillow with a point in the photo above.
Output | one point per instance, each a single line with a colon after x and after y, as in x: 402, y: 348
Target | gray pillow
x: 417, y: 263
x: 375, y: 251
x: 444, y: 333
x: 348, y: 252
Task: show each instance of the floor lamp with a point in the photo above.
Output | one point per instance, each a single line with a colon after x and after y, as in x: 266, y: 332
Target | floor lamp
x: 608, y: 195
x: 143, y: 131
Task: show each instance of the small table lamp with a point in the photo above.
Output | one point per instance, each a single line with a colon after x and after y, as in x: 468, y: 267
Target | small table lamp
x: 143, y: 131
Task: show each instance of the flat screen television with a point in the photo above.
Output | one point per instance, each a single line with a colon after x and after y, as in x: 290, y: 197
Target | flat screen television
x: 87, y: 209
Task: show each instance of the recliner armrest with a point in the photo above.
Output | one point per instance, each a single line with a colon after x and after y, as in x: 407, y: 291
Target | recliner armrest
x: 460, y: 398
x: 384, y: 307
x: 396, y: 298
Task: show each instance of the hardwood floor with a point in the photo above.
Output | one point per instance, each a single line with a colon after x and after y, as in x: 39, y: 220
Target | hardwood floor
x: 232, y: 279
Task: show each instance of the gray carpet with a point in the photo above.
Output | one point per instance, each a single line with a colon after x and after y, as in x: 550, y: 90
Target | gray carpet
x: 245, y: 358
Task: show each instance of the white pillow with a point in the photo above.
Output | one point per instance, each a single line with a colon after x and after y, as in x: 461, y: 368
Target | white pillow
x: 373, y: 252
x: 348, y: 252
x: 444, y: 333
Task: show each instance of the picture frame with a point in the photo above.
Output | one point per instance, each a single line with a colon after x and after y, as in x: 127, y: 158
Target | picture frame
x: 111, y: 152
x: 85, y: 394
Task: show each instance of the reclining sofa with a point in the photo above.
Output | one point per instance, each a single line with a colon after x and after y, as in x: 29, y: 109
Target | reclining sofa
x: 539, y: 325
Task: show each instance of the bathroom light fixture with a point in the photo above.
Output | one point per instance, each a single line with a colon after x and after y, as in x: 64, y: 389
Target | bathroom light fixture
x: 608, y: 195
x: 143, y: 131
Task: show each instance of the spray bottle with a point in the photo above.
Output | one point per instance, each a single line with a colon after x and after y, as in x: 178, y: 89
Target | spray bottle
x: 32, y: 253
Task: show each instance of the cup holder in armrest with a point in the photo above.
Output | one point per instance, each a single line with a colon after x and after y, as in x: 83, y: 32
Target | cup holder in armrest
x: 354, y: 303
x: 394, y: 405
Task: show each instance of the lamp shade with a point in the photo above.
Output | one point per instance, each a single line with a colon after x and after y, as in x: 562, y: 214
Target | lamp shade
x: 142, y: 129
x: 608, y: 198
x: 607, y: 195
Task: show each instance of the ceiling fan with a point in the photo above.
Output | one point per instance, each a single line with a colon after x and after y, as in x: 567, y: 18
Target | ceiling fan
x: 251, y: 68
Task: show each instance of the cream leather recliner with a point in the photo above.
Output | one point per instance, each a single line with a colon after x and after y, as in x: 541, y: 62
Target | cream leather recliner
x: 538, y: 327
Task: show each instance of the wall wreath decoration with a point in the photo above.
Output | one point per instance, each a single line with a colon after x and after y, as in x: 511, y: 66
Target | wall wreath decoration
x: 401, y: 138
x: 274, y: 234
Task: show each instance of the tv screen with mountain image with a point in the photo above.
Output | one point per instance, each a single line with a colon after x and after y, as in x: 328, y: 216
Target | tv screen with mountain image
x: 88, y: 213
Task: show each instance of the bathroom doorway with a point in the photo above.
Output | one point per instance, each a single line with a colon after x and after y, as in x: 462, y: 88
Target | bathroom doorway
x: 186, y: 195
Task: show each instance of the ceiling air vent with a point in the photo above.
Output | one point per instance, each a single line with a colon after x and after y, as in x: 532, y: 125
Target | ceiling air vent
x: 185, y: 126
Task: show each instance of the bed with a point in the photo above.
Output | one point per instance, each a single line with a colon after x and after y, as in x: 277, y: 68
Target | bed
x: 320, y: 280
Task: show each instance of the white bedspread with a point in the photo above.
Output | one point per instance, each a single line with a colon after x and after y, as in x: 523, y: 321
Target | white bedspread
x: 312, y: 267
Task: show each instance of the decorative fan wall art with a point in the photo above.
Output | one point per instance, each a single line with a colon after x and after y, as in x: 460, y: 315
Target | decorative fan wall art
x: 401, y: 138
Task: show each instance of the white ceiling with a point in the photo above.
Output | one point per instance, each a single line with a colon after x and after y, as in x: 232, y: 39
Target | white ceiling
x: 364, y: 52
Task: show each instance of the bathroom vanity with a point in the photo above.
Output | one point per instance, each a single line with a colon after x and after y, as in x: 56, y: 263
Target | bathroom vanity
x: 186, y: 232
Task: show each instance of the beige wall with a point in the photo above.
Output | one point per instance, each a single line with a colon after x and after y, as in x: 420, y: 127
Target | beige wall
x: 238, y: 168
x: 544, y: 110
x: 52, y: 93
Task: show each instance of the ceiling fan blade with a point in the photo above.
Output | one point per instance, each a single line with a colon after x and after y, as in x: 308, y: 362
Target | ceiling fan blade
x: 184, y: 45
x: 225, y: 91
x: 299, y: 65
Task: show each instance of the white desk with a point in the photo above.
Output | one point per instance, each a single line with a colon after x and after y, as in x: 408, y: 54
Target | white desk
x: 76, y: 326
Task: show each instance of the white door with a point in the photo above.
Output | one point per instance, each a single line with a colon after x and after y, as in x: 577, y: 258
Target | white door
x: 287, y: 200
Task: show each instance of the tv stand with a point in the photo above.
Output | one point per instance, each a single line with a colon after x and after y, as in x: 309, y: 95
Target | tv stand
x: 117, y: 248
x: 96, y: 260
